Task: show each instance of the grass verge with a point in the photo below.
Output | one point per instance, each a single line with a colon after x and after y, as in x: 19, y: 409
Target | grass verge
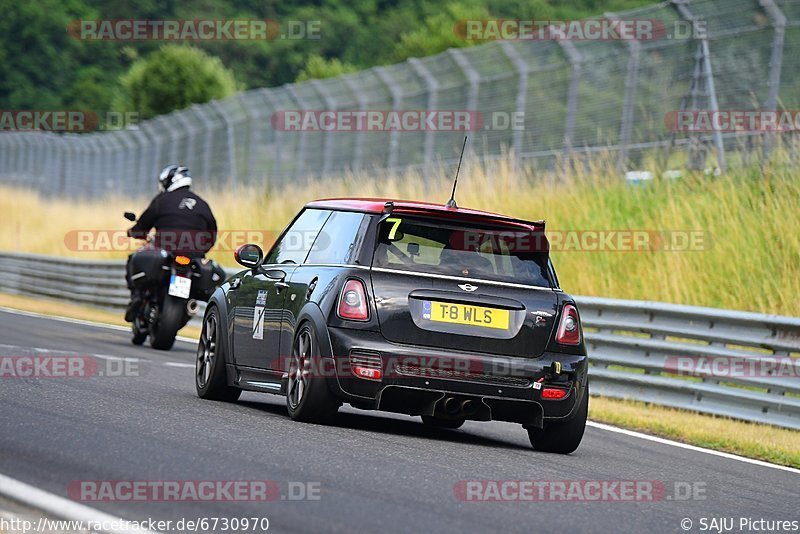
x: 752, y: 440
x: 728, y: 241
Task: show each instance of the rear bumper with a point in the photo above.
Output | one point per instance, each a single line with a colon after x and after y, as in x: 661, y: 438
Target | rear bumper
x: 417, y: 380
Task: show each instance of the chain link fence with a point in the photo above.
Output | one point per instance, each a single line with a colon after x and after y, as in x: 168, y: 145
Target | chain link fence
x: 575, y: 98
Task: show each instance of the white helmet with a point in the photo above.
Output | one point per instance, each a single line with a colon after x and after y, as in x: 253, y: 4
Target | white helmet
x: 174, y: 177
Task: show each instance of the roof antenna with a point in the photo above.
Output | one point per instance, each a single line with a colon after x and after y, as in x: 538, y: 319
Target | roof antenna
x: 451, y: 204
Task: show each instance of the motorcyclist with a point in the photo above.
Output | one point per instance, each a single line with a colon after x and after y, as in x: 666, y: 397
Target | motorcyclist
x: 183, y: 221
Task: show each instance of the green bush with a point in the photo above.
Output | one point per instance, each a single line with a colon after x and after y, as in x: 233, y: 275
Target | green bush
x: 174, y: 77
x: 317, y: 67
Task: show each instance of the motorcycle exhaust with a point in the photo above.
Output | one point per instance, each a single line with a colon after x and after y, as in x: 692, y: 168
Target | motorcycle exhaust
x: 192, y: 306
x: 451, y: 406
x: 469, y: 407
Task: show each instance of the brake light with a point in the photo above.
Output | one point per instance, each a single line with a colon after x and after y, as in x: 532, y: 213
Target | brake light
x: 366, y: 372
x: 182, y: 260
x: 569, y: 329
x: 353, y: 301
x: 554, y: 393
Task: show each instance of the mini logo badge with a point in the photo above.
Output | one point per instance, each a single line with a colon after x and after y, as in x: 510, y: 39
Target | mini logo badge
x: 468, y: 287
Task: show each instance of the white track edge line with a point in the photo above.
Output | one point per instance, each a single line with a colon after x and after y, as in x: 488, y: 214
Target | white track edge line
x: 80, y: 322
x: 59, y: 506
x: 694, y: 448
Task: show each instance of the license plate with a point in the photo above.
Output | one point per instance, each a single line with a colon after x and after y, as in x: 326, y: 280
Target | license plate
x: 180, y: 286
x: 467, y: 314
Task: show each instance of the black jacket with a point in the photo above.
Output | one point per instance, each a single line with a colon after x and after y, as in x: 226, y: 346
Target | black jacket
x: 183, y: 222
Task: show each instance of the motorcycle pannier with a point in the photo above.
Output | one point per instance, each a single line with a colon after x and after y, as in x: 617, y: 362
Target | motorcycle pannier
x: 145, y: 267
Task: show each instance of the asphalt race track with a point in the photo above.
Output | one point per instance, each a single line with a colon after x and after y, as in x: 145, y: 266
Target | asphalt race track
x: 373, y: 471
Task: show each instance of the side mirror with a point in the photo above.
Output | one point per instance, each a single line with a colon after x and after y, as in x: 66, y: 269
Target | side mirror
x: 249, y: 255
x: 130, y: 216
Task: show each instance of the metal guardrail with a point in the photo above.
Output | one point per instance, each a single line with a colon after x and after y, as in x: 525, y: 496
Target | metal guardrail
x: 635, y: 346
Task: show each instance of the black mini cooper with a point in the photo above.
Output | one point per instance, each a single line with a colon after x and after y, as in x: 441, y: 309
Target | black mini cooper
x: 422, y: 309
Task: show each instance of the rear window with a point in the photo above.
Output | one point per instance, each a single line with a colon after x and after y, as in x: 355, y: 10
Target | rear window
x: 462, y: 250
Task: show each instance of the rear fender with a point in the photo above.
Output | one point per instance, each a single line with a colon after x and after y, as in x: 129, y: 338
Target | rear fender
x: 312, y: 313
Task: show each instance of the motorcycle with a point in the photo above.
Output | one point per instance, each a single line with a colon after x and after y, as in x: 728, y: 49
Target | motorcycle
x: 171, y: 286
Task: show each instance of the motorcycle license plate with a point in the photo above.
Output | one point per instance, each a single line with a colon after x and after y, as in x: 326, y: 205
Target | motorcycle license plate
x: 180, y: 286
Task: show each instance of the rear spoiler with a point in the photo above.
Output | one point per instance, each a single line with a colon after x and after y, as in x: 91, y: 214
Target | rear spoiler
x: 466, y: 215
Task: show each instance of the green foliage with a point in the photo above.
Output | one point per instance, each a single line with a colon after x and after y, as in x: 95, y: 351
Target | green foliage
x: 317, y: 67
x: 43, y: 66
x: 174, y: 77
x: 438, y: 32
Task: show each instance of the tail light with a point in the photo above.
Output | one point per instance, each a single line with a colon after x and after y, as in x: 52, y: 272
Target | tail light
x: 182, y: 260
x: 554, y: 393
x: 353, y: 301
x: 368, y: 366
x: 569, y: 329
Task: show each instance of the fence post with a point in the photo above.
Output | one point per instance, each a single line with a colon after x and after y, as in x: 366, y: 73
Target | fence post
x: 522, y: 96
x: 300, y: 156
x: 199, y: 112
x: 5, y: 153
x: 69, y: 160
x: 253, y: 119
x: 109, y: 148
x: 358, y: 145
x: 775, y: 65
x: 629, y: 104
x: 26, y: 158
x: 129, y: 155
x: 182, y: 117
x: 432, y: 88
x: 575, y: 60
x: 277, y: 162
x: 229, y: 141
x: 330, y: 105
x: 141, y: 159
x: 474, y: 79
x: 397, y: 101
x: 683, y: 9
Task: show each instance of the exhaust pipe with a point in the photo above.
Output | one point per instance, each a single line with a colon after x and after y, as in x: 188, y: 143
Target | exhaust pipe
x: 192, y: 306
x: 451, y: 406
x: 469, y: 407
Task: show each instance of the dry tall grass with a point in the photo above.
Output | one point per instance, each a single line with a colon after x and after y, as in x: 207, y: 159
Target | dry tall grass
x: 749, y: 219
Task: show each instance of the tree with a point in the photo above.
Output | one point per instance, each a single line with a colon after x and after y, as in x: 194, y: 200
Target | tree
x: 174, y: 77
x: 317, y: 67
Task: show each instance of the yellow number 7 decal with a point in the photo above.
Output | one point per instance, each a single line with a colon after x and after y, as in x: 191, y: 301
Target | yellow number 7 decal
x: 395, y: 223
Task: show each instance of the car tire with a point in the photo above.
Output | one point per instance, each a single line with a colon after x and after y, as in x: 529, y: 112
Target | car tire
x: 308, y: 397
x: 562, y: 437
x: 210, y: 376
x: 438, y: 422
x: 170, y: 318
